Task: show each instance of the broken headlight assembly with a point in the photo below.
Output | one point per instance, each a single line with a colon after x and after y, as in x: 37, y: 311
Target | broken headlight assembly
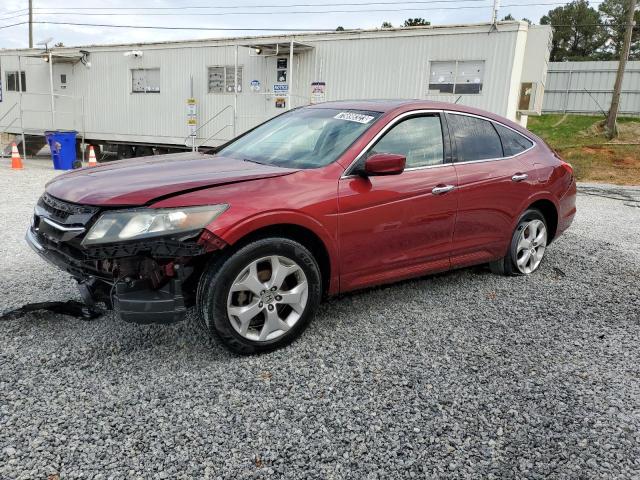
x: 138, y: 224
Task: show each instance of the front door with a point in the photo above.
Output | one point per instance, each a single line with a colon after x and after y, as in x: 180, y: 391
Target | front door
x: 398, y: 226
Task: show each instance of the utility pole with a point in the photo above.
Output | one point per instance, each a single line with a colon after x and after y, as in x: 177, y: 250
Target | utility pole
x: 494, y: 15
x: 494, y: 11
x: 622, y: 63
x: 30, y: 23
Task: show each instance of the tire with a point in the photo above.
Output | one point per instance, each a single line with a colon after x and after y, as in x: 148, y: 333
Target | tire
x: 249, y: 309
x: 525, y: 255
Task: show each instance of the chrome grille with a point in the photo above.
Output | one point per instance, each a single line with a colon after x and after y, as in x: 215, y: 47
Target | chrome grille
x: 61, y: 210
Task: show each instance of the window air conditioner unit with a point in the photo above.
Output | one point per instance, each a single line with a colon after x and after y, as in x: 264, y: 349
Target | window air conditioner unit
x: 530, y: 101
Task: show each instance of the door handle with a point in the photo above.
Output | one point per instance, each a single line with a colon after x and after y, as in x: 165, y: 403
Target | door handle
x: 442, y: 190
x: 518, y: 177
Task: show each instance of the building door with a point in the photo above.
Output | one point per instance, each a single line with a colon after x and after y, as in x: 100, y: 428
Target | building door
x: 62, y: 78
x: 68, y: 109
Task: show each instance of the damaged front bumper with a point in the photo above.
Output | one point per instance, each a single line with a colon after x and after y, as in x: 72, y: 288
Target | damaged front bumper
x: 152, y: 281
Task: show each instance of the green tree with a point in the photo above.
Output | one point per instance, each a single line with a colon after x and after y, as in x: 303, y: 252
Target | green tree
x: 340, y: 29
x: 387, y: 25
x: 578, y: 32
x: 510, y: 17
x: 614, y: 13
x: 415, y: 22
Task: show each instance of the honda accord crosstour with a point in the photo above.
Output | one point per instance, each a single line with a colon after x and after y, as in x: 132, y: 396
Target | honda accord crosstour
x: 319, y: 200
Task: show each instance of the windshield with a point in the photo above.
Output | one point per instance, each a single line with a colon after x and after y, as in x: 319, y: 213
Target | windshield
x: 304, y: 138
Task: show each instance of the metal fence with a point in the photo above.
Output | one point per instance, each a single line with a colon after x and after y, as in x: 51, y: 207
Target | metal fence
x: 586, y: 87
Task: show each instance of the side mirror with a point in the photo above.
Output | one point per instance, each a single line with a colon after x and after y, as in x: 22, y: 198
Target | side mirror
x: 384, y: 164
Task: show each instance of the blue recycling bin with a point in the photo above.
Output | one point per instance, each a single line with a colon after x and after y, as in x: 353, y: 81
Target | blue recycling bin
x: 62, y: 144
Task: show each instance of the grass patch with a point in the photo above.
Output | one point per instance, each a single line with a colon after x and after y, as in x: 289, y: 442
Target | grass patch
x: 580, y: 140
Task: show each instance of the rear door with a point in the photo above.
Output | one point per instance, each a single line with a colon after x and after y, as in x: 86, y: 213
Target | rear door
x: 393, y: 227
x: 495, y: 177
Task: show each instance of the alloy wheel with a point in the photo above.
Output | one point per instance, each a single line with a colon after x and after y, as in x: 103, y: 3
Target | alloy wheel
x: 267, y: 298
x: 531, y: 246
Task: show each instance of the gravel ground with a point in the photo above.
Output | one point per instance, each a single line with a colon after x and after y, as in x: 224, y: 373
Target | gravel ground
x: 464, y: 375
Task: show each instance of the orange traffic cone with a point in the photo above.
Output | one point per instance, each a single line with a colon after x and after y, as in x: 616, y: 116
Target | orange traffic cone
x: 16, y: 161
x: 92, y: 157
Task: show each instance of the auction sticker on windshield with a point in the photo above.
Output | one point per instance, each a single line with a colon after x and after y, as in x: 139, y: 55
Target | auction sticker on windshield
x: 354, y: 117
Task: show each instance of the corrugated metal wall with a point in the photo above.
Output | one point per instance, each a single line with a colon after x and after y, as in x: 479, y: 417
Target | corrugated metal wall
x: 586, y: 87
x: 399, y: 67
x: 377, y: 64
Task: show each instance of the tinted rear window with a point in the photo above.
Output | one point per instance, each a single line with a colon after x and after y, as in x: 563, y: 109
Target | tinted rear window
x: 475, y: 139
x: 512, y: 142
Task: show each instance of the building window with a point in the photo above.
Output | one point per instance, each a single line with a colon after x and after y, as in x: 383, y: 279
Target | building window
x: 221, y: 79
x: 281, y: 71
x: 456, y: 77
x: 13, y: 84
x: 145, y: 80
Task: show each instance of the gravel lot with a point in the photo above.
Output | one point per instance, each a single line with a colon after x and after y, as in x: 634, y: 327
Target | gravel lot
x: 465, y: 374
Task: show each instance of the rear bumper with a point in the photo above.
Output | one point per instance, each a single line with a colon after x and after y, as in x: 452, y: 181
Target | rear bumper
x: 149, y: 295
x: 567, y: 210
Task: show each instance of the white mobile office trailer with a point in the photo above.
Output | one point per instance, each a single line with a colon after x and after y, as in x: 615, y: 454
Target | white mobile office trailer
x: 158, y: 94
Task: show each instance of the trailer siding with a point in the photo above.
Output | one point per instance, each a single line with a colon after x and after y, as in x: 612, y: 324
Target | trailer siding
x: 374, y: 64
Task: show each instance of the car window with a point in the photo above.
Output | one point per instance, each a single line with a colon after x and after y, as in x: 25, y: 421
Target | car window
x: 475, y: 138
x: 302, y: 138
x: 418, y: 138
x: 512, y: 142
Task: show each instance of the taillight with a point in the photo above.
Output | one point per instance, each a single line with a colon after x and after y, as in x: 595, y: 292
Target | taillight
x: 569, y: 169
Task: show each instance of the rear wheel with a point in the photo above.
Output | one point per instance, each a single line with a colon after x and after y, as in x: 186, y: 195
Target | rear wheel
x: 261, y: 297
x: 527, y: 248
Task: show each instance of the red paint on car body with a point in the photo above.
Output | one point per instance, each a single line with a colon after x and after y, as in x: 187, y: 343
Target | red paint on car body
x: 375, y: 229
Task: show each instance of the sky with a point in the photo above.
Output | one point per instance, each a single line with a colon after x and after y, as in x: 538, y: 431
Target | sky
x: 243, y: 14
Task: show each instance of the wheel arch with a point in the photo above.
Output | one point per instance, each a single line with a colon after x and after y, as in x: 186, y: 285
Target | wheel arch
x: 301, y: 234
x: 550, y: 212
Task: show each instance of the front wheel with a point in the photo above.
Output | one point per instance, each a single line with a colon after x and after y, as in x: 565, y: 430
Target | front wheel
x: 261, y: 297
x: 527, y: 248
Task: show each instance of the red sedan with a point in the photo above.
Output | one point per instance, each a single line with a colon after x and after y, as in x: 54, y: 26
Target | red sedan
x: 317, y: 201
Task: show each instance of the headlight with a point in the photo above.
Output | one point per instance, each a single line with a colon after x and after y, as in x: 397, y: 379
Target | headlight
x: 118, y: 226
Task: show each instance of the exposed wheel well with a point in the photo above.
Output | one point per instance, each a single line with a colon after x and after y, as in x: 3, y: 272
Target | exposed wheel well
x: 301, y: 235
x: 548, y: 209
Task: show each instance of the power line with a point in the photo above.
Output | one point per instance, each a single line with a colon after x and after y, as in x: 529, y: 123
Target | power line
x: 556, y: 25
x: 159, y: 27
x: 145, y: 10
x: 224, y: 29
x: 305, y: 12
x: 277, y: 12
x: 14, y: 11
x: 17, y: 16
x: 229, y: 7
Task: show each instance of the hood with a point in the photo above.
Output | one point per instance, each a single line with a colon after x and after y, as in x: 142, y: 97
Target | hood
x: 135, y: 182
